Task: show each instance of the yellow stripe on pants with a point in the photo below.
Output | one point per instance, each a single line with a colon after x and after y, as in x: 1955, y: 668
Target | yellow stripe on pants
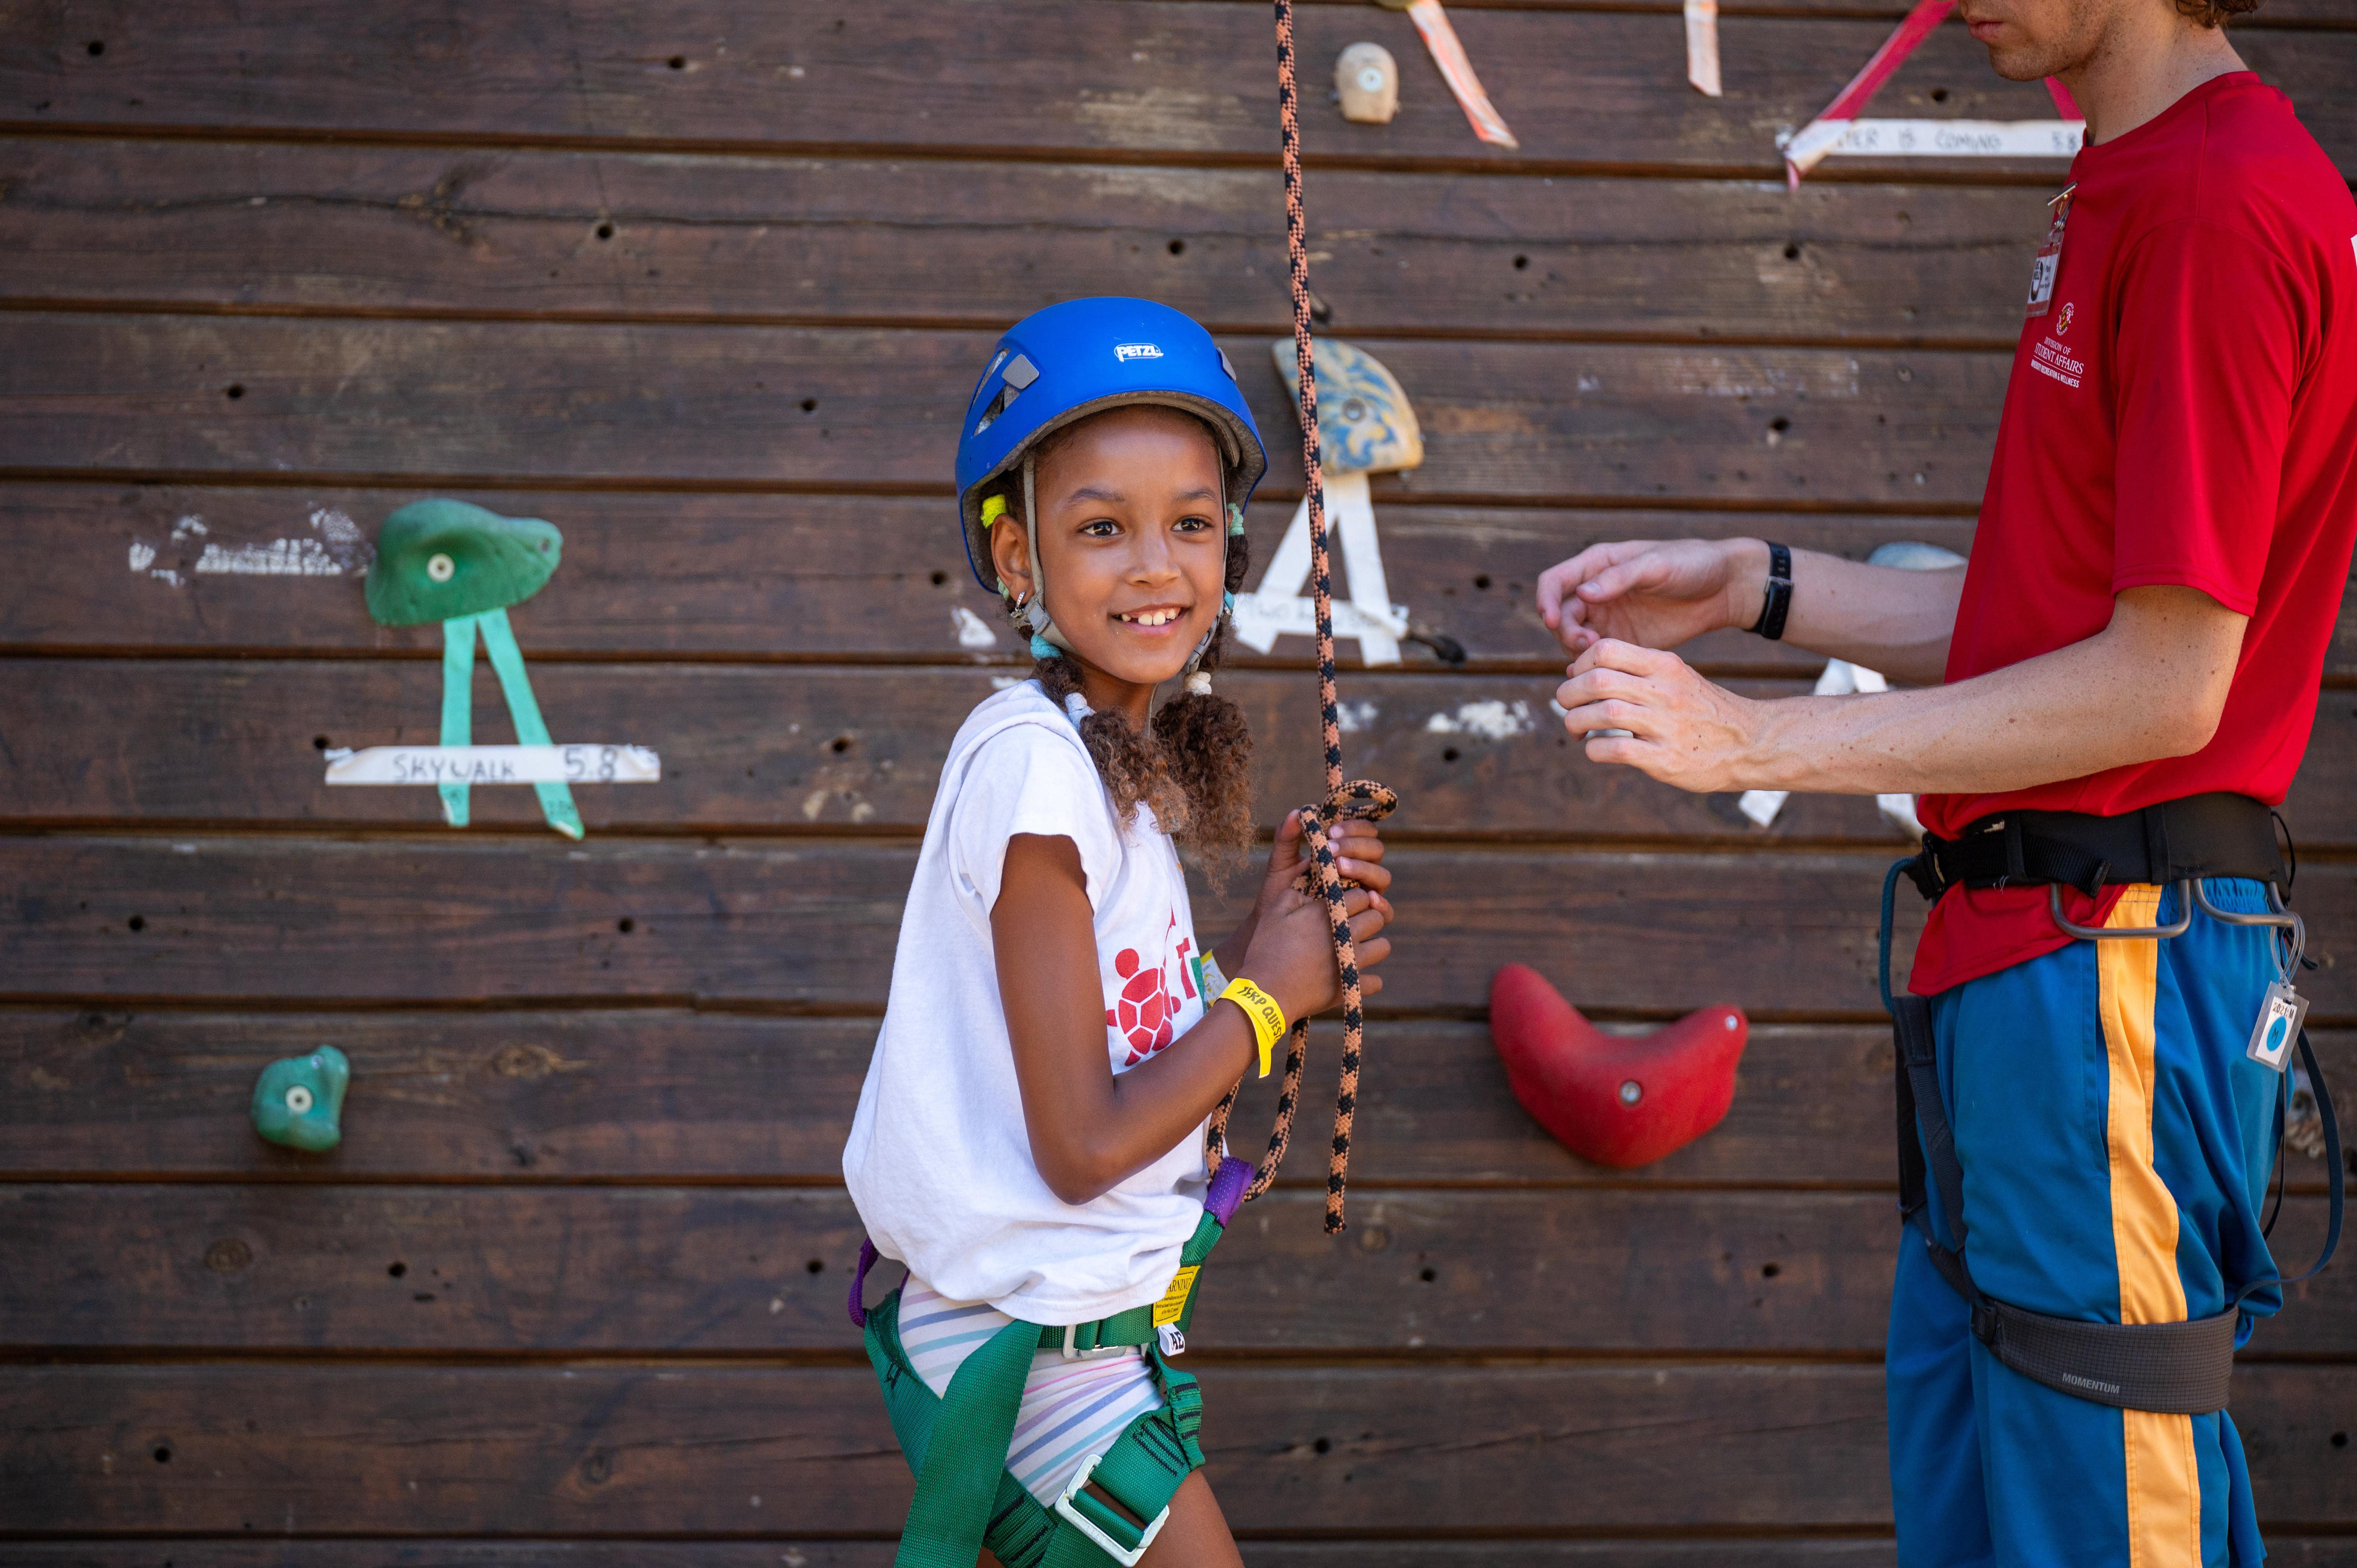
x: 2164, y: 1490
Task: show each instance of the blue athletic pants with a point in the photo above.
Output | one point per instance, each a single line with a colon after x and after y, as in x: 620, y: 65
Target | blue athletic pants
x: 2116, y: 1141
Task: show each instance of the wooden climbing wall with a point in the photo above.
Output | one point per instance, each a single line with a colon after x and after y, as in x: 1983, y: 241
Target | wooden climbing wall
x: 705, y: 284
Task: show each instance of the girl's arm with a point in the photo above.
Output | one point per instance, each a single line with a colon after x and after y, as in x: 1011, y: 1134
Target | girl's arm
x: 1090, y: 1130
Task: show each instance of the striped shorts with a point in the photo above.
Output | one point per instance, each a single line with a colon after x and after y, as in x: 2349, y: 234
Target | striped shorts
x: 1071, y: 1409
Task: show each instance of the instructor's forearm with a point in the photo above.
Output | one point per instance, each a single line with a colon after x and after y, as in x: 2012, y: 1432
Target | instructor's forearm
x: 1890, y: 620
x: 2138, y: 690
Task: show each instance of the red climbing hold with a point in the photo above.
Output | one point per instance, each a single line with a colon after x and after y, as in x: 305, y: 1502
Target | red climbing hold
x: 1618, y: 1101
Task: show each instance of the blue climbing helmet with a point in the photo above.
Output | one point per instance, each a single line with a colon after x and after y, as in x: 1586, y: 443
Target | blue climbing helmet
x: 1082, y: 358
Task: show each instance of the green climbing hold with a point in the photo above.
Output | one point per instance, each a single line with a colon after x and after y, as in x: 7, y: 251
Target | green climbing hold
x: 300, y: 1100
x: 455, y: 562
x: 439, y: 559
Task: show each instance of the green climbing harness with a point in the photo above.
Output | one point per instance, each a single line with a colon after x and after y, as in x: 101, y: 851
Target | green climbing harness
x: 956, y: 1443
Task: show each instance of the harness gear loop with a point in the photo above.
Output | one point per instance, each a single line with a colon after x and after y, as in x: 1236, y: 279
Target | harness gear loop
x: 2180, y: 1369
x: 1360, y: 799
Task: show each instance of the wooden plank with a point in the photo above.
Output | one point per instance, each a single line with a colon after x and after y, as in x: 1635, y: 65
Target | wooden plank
x: 763, y: 575
x: 1140, y: 81
x: 596, y: 1450
x: 1819, y: 1552
x: 603, y: 234
x: 771, y: 577
x: 451, y: 1270
x: 454, y: 1270
x: 650, y: 1095
x: 814, y: 410
x: 812, y: 924
x: 1835, y: 1552
x: 653, y: 1095
x: 749, y: 747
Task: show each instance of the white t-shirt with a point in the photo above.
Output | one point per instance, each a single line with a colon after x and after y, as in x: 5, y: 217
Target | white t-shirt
x: 940, y: 1161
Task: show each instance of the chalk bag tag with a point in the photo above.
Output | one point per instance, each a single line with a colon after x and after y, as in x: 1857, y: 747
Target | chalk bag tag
x: 2049, y: 255
x: 2281, y: 1012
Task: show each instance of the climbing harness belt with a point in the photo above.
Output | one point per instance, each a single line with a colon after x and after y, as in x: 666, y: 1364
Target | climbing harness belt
x: 2179, y: 1369
x: 956, y: 1443
x: 1359, y: 799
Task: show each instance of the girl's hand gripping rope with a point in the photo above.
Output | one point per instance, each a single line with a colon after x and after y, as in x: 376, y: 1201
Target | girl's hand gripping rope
x: 1288, y: 942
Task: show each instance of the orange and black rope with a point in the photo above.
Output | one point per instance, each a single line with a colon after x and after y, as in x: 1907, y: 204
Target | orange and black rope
x: 1359, y: 799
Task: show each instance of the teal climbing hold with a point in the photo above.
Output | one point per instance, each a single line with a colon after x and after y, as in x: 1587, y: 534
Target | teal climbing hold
x: 437, y: 559
x: 300, y: 1100
x: 453, y: 562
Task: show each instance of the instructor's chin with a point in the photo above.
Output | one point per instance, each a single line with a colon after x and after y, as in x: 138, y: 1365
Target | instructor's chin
x: 2020, y: 64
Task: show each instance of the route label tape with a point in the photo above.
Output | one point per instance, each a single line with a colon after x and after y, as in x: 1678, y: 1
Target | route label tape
x: 587, y: 763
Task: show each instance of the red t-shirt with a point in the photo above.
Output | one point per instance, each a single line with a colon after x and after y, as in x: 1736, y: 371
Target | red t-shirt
x: 2185, y: 413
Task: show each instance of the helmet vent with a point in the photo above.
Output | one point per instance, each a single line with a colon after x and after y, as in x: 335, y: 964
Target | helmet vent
x: 1006, y: 395
x: 1021, y: 373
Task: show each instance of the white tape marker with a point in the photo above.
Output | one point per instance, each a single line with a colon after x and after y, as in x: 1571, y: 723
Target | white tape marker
x: 1937, y: 139
x: 579, y: 764
x: 1702, y: 47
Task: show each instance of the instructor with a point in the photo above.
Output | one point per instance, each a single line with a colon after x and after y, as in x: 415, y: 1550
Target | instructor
x: 2115, y: 693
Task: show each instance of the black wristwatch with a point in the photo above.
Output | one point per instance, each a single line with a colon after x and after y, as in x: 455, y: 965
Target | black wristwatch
x: 1779, y: 599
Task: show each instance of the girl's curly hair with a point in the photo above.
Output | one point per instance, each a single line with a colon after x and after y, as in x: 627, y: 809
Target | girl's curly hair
x: 2216, y: 13
x: 1191, y: 765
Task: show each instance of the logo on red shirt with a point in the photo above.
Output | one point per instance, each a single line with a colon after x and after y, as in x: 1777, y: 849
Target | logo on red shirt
x: 2064, y: 325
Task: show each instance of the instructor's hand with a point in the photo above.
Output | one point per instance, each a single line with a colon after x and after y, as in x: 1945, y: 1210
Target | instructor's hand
x: 1655, y: 593
x: 1682, y: 729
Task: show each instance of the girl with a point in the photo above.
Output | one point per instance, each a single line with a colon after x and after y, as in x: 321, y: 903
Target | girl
x: 1030, y: 1139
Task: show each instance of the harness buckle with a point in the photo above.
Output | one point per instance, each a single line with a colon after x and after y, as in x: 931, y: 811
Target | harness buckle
x: 1074, y: 1500
x: 1074, y: 1354
x: 1173, y: 1342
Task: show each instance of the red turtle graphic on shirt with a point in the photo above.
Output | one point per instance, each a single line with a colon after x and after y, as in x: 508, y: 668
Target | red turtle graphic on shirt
x: 1145, y: 1013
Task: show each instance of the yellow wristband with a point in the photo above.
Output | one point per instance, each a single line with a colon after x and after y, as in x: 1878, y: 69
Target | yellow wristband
x: 1267, y: 1018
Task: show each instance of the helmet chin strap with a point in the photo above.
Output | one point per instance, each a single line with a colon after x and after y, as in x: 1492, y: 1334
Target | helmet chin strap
x: 1048, y: 638
x: 1043, y: 628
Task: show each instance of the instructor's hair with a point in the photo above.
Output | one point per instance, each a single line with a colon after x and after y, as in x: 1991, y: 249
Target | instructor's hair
x: 2216, y: 13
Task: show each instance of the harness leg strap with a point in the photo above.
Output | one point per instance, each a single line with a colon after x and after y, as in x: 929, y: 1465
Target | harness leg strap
x: 966, y: 1452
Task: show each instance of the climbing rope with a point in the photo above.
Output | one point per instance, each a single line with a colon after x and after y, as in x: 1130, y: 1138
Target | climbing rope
x: 1359, y: 799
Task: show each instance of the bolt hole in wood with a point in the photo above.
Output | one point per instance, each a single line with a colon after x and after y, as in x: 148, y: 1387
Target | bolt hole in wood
x: 137, y: 922
x: 1449, y: 755
x: 1482, y: 581
x: 1938, y: 95
x: 1770, y: 1271
x: 604, y: 230
x: 940, y: 578
x: 318, y: 742
x: 1178, y: 247
x: 96, y: 47
x: 810, y: 405
x: 1323, y: 1445
x: 1522, y: 262
x: 397, y: 1269
x: 677, y: 62
x: 626, y: 925
x: 1779, y: 424
x: 816, y: 1265
x: 2340, y: 1440
x: 1793, y: 251
x: 234, y: 391
x: 163, y: 1454
x: 839, y: 744
x: 1429, y: 1275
